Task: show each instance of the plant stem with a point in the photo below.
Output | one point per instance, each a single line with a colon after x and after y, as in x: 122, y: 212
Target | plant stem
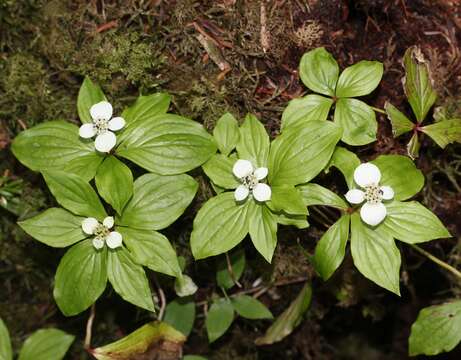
x: 231, y: 271
x: 89, y: 327
x: 162, y: 298
x: 439, y: 262
x: 259, y: 289
x: 378, y: 110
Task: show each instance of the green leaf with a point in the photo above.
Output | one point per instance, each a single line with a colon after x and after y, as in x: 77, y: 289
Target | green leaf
x: 115, y: 183
x: 56, y: 145
x: 314, y: 194
x: 84, y: 166
x: 151, y: 249
x: 330, y: 250
x: 250, y: 308
x: 319, y: 71
x: 153, y: 340
x: 180, y: 313
x: 193, y: 357
x: 289, y: 319
x: 375, y: 255
x: 400, y: 173
x: 46, y: 344
x: 287, y: 199
x: 357, y: 120
x: 412, y: 223
x: 219, y: 170
x: 308, y: 108
x: 80, y: 278
x: 346, y: 162
x: 74, y: 194
x: 55, y: 227
x: 226, y: 133
x: 6, y: 352
x: 219, y: 319
x: 217, y: 189
x: 166, y: 144
x: 88, y: 95
x: 437, y: 329
x: 444, y: 132
x: 219, y: 226
x: 158, y: 201
x: 413, y: 146
x: 293, y: 220
x: 146, y: 107
x: 129, y: 279
x: 263, y: 230
x: 254, y: 141
x: 359, y: 79
x: 301, y: 152
x: 400, y: 123
x: 237, y: 261
x: 417, y: 83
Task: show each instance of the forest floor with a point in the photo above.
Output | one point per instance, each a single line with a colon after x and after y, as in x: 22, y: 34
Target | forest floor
x: 237, y: 56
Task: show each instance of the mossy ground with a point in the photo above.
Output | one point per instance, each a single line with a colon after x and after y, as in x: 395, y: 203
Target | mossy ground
x: 133, y: 46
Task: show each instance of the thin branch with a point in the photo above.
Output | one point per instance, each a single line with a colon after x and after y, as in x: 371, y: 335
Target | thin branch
x: 161, y: 312
x: 259, y: 290
x: 439, y: 262
x: 378, y: 110
x: 162, y: 299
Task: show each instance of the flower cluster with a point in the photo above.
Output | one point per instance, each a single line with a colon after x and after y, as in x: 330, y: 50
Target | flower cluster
x: 250, y: 179
x: 368, y: 176
x: 102, y: 127
x: 102, y: 233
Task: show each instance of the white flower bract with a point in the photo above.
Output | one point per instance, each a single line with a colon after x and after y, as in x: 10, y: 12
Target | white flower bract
x: 250, y: 179
x: 102, y: 233
x: 368, y: 176
x: 102, y: 127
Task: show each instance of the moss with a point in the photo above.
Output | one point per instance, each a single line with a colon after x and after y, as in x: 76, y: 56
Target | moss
x: 27, y: 95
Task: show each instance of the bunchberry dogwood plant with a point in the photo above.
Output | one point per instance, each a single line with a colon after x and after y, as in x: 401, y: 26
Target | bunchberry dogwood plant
x: 373, y: 227
x: 262, y: 176
x: 107, y: 248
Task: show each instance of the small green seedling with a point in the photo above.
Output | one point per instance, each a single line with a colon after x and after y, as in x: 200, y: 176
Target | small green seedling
x: 421, y: 96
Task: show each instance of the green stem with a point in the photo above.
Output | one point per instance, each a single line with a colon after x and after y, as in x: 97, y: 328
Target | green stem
x: 439, y: 262
x: 378, y: 110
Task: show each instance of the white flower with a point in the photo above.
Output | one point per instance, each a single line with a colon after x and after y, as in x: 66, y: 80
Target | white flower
x: 367, y: 176
x: 102, y: 127
x: 250, y: 177
x: 102, y: 233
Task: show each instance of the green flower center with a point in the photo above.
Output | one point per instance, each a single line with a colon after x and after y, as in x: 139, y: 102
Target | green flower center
x: 101, y: 125
x: 373, y: 194
x: 101, y: 231
x: 250, y: 181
